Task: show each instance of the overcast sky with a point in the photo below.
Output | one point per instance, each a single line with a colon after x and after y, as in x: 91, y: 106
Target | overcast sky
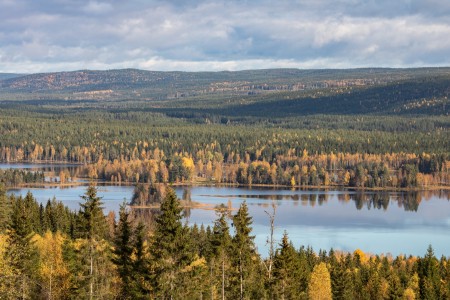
x: 57, y: 35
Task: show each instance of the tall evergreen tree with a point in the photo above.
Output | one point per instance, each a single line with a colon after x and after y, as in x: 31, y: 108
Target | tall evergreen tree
x: 429, y: 276
x: 92, y: 219
x: 341, y: 278
x: 32, y: 209
x: 20, y: 250
x: 244, y: 255
x: 287, y: 272
x: 221, y: 244
x: 123, y: 250
x: 93, y: 229
x: 141, y: 274
x: 5, y: 209
x: 170, y: 248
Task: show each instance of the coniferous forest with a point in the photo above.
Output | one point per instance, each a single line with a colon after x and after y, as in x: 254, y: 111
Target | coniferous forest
x: 50, y: 252
x: 372, y: 128
x: 328, y: 129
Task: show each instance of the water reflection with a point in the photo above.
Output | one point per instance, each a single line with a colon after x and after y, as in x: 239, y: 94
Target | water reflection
x: 187, y: 208
x: 53, y: 172
x: 378, y: 222
x: 380, y: 200
x: 409, y: 201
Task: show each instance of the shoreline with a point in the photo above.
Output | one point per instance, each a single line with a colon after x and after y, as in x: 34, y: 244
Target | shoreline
x: 208, y: 183
x: 100, y: 182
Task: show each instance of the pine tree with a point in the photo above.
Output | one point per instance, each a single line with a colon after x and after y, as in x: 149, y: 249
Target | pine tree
x: 396, y: 289
x: 287, y: 271
x: 92, y: 219
x: 141, y: 274
x: 32, y: 210
x: 20, y: 249
x: 43, y: 221
x: 341, y: 279
x: 429, y: 276
x: 170, y: 249
x: 244, y: 254
x: 5, y: 209
x: 93, y: 229
x: 221, y: 244
x: 123, y: 250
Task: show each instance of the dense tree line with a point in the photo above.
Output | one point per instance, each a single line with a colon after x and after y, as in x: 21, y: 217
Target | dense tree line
x: 86, y: 255
x: 31, y: 133
x: 127, y: 143
x: 297, y: 168
x: 16, y: 177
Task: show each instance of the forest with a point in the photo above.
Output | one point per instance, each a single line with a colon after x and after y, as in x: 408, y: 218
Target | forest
x: 361, y: 129
x: 403, y: 152
x: 50, y: 252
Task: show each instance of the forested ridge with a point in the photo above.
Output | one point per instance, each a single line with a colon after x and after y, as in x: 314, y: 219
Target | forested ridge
x: 50, y: 252
x: 359, y: 128
x: 149, y: 147
x: 194, y: 83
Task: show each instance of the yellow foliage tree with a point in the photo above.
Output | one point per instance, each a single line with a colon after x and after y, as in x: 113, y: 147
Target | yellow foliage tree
x: 292, y: 181
x: 346, y: 180
x: 319, y: 287
x: 188, y: 164
x: 409, y: 294
x: 55, y: 277
x: 6, y: 272
x: 362, y: 256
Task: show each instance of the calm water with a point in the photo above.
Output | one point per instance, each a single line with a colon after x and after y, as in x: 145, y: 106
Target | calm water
x: 389, y: 222
x: 39, y: 167
x: 51, y: 171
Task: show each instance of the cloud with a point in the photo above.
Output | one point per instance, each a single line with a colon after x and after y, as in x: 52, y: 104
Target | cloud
x: 222, y: 35
x: 97, y: 8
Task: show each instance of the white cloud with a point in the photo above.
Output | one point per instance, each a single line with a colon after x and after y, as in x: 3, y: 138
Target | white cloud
x: 216, y: 35
x: 94, y: 7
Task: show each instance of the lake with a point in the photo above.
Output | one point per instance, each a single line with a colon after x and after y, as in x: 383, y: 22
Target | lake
x: 376, y: 222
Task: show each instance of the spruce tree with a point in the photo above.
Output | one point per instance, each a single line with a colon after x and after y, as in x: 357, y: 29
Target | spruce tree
x: 92, y: 219
x: 43, y: 222
x: 92, y: 228
x: 123, y: 250
x: 170, y: 249
x: 429, y: 275
x: 221, y: 244
x: 141, y: 274
x: 288, y: 272
x: 396, y: 289
x: 244, y: 253
x: 32, y: 210
x: 5, y: 209
x: 341, y: 278
x: 20, y: 250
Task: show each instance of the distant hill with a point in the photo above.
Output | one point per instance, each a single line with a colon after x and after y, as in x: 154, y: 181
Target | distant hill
x: 257, y: 93
x: 133, y: 80
x: 4, y: 76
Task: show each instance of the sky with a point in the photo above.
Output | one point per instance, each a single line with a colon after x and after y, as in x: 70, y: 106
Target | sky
x: 210, y: 35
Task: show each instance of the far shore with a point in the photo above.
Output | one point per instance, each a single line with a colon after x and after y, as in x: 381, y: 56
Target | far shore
x: 87, y: 181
